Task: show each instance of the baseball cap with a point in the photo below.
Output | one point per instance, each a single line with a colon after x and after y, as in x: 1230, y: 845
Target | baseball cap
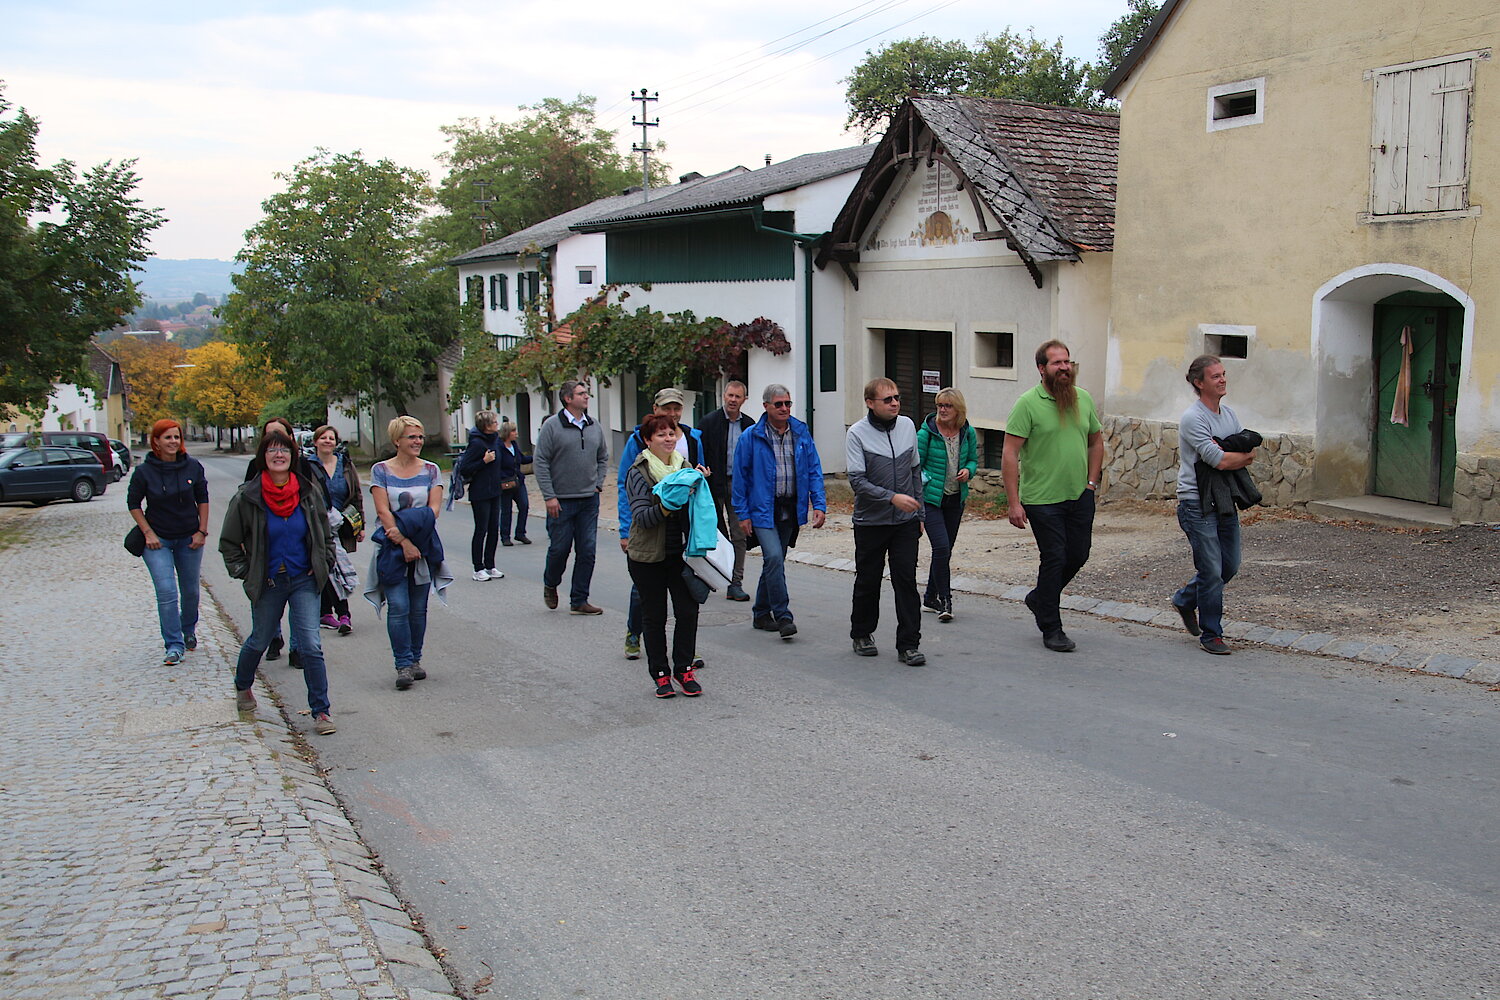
x: 670, y: 395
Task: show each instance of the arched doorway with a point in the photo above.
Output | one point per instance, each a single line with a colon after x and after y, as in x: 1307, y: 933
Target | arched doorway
x: 1358, y: 321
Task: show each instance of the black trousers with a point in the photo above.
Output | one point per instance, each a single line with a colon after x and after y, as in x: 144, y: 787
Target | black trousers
x: 1064, y: 532
x: 655, y: 581
x: 874, y: 545
x: 486, y: 531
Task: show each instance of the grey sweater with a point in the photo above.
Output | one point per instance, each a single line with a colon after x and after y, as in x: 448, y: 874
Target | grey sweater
x: 570, y: 461
x: 883, y: 462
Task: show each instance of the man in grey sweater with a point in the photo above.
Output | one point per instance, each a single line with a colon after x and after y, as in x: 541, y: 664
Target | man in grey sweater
x: 571, y: 459
x: 883, y: 471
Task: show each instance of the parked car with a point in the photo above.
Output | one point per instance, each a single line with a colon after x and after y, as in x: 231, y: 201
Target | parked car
x: 88, y: 440
x: 43, y: 474
x: 123, y: 458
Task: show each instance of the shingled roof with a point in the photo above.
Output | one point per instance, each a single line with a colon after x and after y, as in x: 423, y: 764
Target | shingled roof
x: 550, y: 232
x: 743, y: 188
x: 1045, y: 173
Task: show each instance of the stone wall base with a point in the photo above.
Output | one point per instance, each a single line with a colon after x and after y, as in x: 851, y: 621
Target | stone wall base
x: 1140, y: 460
x: 1476, y: 498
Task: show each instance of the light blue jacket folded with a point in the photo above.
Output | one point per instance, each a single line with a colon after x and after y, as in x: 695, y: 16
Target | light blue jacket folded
x: 688, y: 488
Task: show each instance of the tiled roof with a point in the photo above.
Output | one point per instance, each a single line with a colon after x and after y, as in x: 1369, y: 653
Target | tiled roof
x: 1046, y: 173
x: 739, y: 188
x: 105, y: 369
x: 553, y: 231
x: 1063, y: 160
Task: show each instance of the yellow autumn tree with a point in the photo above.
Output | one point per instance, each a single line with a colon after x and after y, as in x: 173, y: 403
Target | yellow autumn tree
x: 150, y: 373
x: 221, y: 388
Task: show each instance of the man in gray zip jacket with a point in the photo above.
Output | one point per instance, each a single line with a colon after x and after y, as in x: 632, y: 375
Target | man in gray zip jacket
x: 883, y: 469
x: 571, y: 459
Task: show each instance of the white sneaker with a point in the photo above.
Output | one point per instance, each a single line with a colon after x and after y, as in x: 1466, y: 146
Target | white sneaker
x: 495, y: 574
x: 480, y: 574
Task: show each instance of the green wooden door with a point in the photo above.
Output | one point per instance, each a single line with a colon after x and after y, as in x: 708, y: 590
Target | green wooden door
x: 1415, y: 461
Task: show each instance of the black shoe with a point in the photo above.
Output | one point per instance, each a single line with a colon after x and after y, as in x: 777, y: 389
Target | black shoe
x: 736, y: 593
x: 767, y: 624
x: 946, y: 615
x: 1189, y: 618
x: 294, y: 659
x: 1057, y: 640
x: 1214, y: 644
x: 523, y: 541
x: 787, y: 628
x: 417, y: 673
x: 664, y: 688
x: 936, y: 607
x: 698, y: 663
x: 689, y: 684
x: 507, y: 543
x: 865, y: 646
x: 273, y: 652
x: 911, y: 657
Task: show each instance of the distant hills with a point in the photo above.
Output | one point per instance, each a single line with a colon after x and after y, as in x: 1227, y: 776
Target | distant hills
x: 178, y: 280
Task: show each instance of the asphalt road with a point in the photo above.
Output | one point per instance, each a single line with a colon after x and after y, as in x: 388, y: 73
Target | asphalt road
x: 1132, y: 820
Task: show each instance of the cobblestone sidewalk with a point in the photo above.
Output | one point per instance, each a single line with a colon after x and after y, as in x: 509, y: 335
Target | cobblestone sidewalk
x: 154, y: 844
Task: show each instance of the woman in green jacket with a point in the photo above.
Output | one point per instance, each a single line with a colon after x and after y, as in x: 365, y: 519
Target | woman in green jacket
x: 949, y: 451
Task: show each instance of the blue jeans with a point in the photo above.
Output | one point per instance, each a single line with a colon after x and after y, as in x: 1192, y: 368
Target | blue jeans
x: 942, y: 531
x: 406, y: 619
x: 1216, y: 557
x: 301, y: 594
x: 1064, y: 534
x: 174, y: 570
x: 574, y: 529
x: 771, y: 597
x: 518, y: 497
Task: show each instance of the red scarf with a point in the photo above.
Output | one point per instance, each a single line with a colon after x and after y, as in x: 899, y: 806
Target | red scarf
x: 281, y: 499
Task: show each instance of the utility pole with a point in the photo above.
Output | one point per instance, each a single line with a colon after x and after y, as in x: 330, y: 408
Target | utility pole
x: 483, y: 201
x: 644, y: 146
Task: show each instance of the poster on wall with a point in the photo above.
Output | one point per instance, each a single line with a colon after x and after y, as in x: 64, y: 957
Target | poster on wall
x: 932, y: 381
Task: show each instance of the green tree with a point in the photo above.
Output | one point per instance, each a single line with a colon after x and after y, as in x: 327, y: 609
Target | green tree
x: 1006, y: 65
x: 1115, y: 44
x: 335, y: 293
x: 553, y: 160
x: 67, y: 245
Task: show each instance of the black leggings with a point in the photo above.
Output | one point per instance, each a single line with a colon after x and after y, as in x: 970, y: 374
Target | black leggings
x: 486, y: 531
x: 333, y: 604
x: 655, y: 581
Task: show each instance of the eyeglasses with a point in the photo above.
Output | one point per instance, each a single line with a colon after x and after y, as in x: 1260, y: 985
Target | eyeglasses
x: 887, y: 400
x: 416, y: 437
x: 278, y: 451
x: 946, y: 406
x: 781, y: 404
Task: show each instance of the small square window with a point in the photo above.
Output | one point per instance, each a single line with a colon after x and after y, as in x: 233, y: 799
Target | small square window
x: 995, y: 350
x: 1231, y: 105
x: 585, y: 275
x: 1225, y: 341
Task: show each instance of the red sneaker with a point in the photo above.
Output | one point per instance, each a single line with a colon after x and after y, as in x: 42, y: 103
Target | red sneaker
x: 664, y: 688
x: 690, y: 687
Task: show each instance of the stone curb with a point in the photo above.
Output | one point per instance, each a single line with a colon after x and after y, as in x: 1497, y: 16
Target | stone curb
x: 1434, y: 664
x: 409, y: 961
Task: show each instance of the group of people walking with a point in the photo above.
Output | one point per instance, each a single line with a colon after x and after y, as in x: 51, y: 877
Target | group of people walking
x: 755, y: 482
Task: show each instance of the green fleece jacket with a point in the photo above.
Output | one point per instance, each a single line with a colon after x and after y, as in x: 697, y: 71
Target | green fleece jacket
x: 245, y: 543
x: 934, y: 458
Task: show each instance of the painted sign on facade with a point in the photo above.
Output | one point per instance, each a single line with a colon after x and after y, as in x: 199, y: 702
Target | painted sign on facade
x: 928, y: 213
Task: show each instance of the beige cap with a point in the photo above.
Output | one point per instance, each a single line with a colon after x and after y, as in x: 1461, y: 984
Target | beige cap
x: 671, y: 396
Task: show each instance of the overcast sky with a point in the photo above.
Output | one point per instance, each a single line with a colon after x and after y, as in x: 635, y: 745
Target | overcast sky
x: 214, y: 104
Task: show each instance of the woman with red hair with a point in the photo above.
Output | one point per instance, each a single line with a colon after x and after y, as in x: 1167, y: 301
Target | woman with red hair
x: 168, y: 498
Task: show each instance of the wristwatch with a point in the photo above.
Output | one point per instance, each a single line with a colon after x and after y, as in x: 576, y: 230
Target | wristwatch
x: 1093, y: 485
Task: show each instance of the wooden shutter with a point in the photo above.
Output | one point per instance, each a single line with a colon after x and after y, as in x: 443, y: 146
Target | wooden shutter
x: 1419, y: 154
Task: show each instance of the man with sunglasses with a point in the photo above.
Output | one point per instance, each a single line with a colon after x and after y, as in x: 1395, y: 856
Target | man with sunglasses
x: 1053, y: 457
x: 777, y: 477
x: 883, y: 471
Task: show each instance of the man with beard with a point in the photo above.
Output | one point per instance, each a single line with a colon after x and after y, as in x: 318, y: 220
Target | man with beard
x: 1054, y: 454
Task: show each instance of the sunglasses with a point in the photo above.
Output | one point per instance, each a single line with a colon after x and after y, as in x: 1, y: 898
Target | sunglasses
x: 782, y: 404
x: 887, y: 400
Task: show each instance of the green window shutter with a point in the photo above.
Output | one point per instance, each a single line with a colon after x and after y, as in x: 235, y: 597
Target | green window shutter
x: 725, y: 249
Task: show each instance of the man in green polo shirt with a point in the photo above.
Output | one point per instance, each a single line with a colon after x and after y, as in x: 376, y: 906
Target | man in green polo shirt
x: 1054, y: 454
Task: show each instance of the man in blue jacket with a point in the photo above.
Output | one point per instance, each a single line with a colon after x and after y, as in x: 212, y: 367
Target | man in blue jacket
x: 669, y: 402
x: 777, y: 477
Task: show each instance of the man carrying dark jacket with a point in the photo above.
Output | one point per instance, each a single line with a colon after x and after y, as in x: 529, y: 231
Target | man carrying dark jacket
x: 1213, y: 534
x: 721, y: 432
x: 777, y: 477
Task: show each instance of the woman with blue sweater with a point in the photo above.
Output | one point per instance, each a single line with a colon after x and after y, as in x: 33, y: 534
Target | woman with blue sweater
x: 168, y: 499
x: 276, y: 539
x: 949, y: 451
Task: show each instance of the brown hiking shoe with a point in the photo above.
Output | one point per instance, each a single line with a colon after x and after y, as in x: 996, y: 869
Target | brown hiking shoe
x: 244, y: 701
x: 585, y: 609
x: 549, y: 596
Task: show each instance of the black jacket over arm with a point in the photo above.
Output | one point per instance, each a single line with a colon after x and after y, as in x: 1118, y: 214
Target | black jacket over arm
x: 1225, y: 493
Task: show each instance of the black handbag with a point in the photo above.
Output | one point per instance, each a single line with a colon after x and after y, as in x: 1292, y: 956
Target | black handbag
x: 135, y: 541
x: 696, y: 587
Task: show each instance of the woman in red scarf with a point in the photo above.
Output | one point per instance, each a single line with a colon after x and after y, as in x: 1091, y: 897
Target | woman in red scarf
x: 277, y: 540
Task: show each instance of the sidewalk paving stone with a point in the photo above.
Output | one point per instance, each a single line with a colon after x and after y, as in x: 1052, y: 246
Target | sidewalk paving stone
x: 157, y: 851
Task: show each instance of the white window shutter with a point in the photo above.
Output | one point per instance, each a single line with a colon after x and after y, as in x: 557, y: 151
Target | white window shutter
x: 1388, y: 144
